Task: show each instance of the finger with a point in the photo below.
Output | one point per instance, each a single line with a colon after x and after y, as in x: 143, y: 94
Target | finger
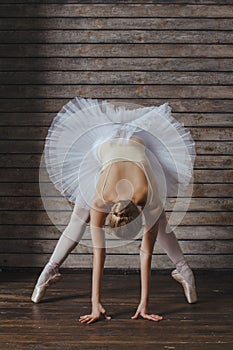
x: 157, y: 316
x: 92, y: 320
x: 154, y: 318
x: 135, y: 315
x: 85, y: 320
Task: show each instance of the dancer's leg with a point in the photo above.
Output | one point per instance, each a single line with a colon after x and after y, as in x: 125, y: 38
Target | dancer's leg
x: 69, y: 239
x: 170, y: 245
x: 166, y: 240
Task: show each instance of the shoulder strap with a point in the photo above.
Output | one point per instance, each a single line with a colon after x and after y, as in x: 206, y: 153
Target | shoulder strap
x: 105, y: 179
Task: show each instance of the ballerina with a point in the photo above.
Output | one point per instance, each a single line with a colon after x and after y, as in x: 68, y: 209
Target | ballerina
x: 79, y: 190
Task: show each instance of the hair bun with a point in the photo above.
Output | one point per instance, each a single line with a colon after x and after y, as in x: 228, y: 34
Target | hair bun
x: 125, y: 219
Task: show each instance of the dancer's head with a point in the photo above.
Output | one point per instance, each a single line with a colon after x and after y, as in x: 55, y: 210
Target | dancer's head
x: 125, y: 219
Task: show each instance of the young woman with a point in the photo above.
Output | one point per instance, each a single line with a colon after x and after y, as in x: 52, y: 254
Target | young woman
x: 112, y: 151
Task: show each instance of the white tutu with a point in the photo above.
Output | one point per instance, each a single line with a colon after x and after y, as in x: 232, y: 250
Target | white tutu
x: 83, y: 123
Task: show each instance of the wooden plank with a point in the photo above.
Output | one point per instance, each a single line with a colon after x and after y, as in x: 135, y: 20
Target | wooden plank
x: 40, y: 132
x: 22, y: 146
x: 33, y: 161
x: 206, y: 134
x: 200, y: 2
x: 124, y: 345
x: 37, y: 231
x: 114, y: 345
x: 212, y: 162
x: 116, y: 91
x: 33, y: 217
x: 15, y: 160
x: 39, y: 105
x: 111, y: 10
x: 47, y: 247
x: 32, y: 189
x: 203, y: 119
x: 121, y: 261
x: 213, y: 147
x: 117, y: 23
x: 213, y: 176
x: 31, y: 175
x: 201, y: 176
x: 188, y: 119
x: 125, y: 64
x: 116, y: 77
x: 113, y: 36
x: 26, y: 189
x: 116, y: 50
x: 54, y: 203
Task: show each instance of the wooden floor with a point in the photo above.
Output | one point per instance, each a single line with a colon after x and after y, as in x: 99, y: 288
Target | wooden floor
x: 53, y: 323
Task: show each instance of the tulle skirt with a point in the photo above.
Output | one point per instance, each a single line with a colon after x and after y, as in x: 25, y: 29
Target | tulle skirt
x: 82, y: 123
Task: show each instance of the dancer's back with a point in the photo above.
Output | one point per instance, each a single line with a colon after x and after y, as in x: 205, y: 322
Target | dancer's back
x: 121, y: 173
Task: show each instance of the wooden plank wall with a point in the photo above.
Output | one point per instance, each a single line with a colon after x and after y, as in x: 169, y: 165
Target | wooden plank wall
x: 147, y: 52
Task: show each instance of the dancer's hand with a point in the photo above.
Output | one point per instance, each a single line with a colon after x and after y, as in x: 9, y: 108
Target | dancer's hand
x: 97, y: 311
x: 142, y: 311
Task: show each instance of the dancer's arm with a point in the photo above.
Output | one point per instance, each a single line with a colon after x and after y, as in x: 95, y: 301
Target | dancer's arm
x: 98, y: 239
x: 146, y: 251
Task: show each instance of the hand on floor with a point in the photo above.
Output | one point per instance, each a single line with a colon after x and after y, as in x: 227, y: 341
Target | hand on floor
x: 97, y: 311
x: 142, y: 311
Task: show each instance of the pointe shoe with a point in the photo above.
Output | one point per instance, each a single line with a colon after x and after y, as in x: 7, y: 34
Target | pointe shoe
x: 189, y: 289
x: 39, y: 291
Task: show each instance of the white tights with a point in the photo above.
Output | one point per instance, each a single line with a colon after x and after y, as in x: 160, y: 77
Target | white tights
x: 74, y: 231
x: 69, y: 239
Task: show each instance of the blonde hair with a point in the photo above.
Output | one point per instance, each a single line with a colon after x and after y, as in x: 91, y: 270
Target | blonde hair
x: 125, y: 219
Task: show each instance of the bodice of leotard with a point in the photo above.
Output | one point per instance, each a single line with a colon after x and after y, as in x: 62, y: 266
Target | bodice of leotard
x: 113, y: 150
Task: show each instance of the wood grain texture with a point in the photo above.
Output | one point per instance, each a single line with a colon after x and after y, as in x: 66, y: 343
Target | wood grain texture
x: 39, y: 133
x: 38, y: 105
x: 56, y: 203
x: 33, y: 161
x: 116, y: 10
x: 31, y: 175
x: 183, y: 232
x: 15, y: 189
x: 53, y: 323
x: 47, y: 246
x: 90, y: 23
x: 62, y: 218
x: 202, y: 147
x: 116, y: 36
x: 116, y: 91
x: 189, y: 119
x: 117, y: 77
x: 145, y: 52
x: 14, y: 65
x: 126, y: 262
x: 105, y: 2
x: 116, y: 50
